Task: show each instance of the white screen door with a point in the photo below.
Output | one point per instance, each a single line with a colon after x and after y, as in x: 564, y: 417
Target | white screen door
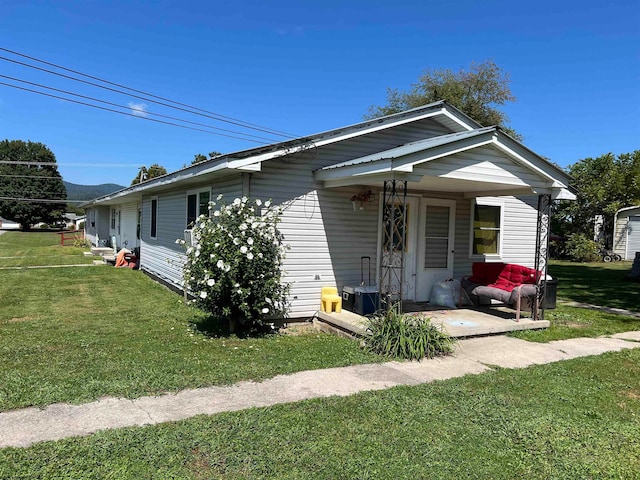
x: 435, y: 245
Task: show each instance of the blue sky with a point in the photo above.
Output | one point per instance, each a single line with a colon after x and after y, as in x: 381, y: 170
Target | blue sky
x: 308, y: 66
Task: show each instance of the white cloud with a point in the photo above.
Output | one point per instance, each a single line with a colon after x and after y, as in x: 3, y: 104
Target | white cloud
x: 138, y: 109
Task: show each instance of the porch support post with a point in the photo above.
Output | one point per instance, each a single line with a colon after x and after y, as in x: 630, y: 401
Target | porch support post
x: 394, y: 224
x: 542, y: 253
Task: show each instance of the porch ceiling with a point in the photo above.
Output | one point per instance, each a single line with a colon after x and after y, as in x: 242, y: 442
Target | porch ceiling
x: 482, y: 162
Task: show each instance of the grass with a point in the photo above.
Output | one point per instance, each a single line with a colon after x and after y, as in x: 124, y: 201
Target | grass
x: 21, y: 249
x: 568, y: 420
x: 597, y: 283
x: 602, y: 284
x: 76, y: 334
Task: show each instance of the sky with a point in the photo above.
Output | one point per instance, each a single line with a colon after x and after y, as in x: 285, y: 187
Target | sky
x: 303, y: 67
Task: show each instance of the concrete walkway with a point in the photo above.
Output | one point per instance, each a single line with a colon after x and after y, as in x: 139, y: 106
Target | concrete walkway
x: 21, y: 428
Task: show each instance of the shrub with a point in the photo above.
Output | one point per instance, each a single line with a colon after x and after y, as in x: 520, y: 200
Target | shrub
x: 405, y: 336
x: 43, y: 226
x: 81, y: 226
x: 81, y: 242
x: 234, y: 267
x: 579, y: 248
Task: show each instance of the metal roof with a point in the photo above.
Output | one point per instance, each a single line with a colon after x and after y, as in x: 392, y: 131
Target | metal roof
x: 235, y: 159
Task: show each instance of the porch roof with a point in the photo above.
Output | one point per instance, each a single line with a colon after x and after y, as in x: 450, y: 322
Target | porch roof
x: 480, y: 162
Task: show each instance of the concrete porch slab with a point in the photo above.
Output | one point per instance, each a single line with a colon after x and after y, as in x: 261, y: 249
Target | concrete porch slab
x: 458, y: 323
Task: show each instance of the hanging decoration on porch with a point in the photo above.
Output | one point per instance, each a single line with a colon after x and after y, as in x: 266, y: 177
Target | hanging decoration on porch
x: 359, y: 200
x: 542, y: 253
x: 394, y: 243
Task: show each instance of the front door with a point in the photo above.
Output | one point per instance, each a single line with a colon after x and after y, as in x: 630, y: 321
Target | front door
x: 435, y: 238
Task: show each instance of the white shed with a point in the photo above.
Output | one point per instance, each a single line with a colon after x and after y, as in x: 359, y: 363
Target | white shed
x: 626, y: 232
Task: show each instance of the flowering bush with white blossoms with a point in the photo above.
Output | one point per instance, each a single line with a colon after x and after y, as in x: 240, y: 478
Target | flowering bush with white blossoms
x: 234, y: 267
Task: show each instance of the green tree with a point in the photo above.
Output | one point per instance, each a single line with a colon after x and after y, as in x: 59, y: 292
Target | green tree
x: 604, y: 185
x: 29, y: 193
x: 477, y: 92
x: 198, y: 158
x: 145, y: 173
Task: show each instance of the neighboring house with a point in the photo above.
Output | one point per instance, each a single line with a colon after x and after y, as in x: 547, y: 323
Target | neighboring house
x: 626, y: 232
x: 8, y: 224
x: 72, y: 220
x: 472, y: 194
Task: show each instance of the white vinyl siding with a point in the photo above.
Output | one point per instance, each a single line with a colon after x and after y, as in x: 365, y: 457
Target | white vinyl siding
x: 161, y: 256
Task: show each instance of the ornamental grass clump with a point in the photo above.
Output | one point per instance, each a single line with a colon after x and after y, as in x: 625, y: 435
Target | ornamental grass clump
x: 233, y: 268
x: 404, y: 336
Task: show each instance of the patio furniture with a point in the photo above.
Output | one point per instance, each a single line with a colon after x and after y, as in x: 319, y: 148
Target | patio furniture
x: 330, y: 301
x: 505, y: 282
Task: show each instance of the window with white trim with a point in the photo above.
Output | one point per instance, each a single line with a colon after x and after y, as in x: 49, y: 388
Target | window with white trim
x: 486, y: 234
x: 113, y: 219
x: 197, y: 204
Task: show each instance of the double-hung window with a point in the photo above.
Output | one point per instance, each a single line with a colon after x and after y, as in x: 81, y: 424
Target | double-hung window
x: 486, y: 228
x: 197, y: 204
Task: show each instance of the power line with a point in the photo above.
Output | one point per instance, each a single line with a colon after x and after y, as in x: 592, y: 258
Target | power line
x: 126, y: 113
x: 41, y: 200
x: 283, y: 134
x: 146, y: 99
x: 131, y: 108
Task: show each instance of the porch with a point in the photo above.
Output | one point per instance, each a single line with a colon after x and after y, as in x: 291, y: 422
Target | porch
x: 459, y: 323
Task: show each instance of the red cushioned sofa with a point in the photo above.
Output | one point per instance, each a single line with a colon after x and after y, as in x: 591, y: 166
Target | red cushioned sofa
x: 505, y: 282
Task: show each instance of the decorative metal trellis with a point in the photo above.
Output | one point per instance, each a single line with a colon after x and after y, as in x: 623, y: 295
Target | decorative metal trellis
x: 542, y: 253
x: 394, y: 243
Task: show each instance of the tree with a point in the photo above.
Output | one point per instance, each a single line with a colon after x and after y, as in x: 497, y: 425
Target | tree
x: 198, y: 158
x: 604, y: 185
x: 476, y: 92
x: 145, y: 173
x: 29, y: 193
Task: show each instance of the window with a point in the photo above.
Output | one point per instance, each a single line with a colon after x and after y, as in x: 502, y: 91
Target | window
x: 487, y: 226
x: 197, y: 204
x: 113, y: 219
x: 154, y: 218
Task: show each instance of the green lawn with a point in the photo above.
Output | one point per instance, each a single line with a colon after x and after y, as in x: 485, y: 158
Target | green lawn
x: 75, y: 334
x: 21, y: 249
x: 577, y: 419
x: 602, y: 284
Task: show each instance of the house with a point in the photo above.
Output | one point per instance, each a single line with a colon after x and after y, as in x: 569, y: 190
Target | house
x: 433, y: 191
x: 626, y: 232
x: 72, y: 220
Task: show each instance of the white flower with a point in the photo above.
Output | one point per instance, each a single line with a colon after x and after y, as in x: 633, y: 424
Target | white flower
x: 236, y: 201
x: 243, y: 226
x: 244, y: 199
x: 250, y: 241
x: 203, y: 294
x: 267, y: 203
x: 236, y: 241
x: 250, y: 256
x: 258, y: 202
x: 236, y: 285
x: 216, y: 245
x: 265, y: 310
x: 227, y: 268
x: 211, y: 282
x: 243, y: 249
x: 216, y: 213
x: 220, y: 264
x: 219, y: 197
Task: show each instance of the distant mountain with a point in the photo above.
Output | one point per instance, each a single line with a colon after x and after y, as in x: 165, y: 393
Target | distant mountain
x: 89, y: 192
